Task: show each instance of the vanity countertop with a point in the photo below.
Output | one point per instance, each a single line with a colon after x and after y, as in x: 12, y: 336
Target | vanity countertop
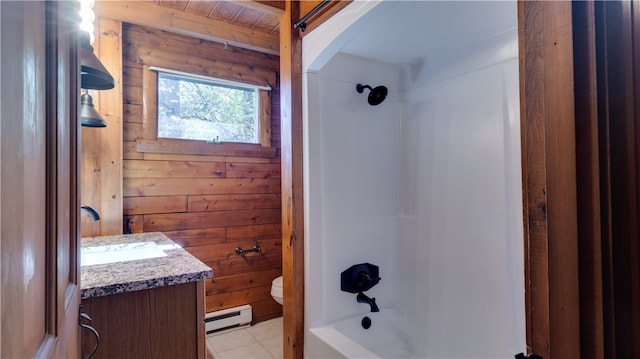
x: 112, y: 264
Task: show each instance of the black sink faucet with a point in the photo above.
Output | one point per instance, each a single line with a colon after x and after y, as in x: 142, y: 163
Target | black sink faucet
x: 362, y: 298
x: 94, y: 214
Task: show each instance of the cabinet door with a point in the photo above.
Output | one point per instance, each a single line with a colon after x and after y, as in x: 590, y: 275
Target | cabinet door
x: 38, y: 168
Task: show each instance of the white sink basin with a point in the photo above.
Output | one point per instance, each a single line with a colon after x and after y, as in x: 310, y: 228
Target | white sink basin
x: 119, y: 253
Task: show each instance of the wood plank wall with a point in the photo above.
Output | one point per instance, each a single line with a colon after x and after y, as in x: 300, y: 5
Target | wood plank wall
x: 208, y: 204
x: 101, y: 154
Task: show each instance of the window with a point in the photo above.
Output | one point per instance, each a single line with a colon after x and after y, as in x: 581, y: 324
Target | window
x: 186, y: 113
x: 193, y: 108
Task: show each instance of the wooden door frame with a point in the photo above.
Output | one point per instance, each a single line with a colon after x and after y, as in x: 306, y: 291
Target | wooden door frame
x: 292, y: 176
x: 549, y: 179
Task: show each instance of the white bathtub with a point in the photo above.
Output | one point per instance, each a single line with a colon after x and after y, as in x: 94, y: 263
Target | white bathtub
x: 348, y: 339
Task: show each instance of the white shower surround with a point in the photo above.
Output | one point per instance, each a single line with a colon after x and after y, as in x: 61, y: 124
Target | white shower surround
x: 427, y: 185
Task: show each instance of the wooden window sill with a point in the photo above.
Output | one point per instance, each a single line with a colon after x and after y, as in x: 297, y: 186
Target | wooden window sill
x: 193, y: 147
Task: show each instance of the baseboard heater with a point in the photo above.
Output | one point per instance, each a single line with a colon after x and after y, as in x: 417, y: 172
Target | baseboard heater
x: 227, y: 319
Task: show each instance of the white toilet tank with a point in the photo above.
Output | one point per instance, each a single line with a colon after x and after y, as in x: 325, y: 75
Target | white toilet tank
x: 276, y: 289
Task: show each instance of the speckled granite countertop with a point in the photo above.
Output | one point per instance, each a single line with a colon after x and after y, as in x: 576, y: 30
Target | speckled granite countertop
x: 110, y: 264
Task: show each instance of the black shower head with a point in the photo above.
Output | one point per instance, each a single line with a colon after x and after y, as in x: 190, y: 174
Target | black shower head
x: 376, y: 96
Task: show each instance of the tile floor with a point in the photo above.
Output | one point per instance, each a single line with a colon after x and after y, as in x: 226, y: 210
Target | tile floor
x: 260, y: 341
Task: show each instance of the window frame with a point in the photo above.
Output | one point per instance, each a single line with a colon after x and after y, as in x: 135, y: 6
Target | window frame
x: 151, y: 143
x: 216, y: 83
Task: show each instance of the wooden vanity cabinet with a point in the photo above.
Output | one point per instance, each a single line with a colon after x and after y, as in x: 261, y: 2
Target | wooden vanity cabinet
x: 164, y: 322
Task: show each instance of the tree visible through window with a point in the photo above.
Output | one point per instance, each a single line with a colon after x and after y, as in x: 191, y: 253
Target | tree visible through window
x: 197, y: 109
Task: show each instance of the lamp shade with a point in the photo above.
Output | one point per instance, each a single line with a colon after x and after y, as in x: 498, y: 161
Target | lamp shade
x: 93, y: 75
x: 89, y: 117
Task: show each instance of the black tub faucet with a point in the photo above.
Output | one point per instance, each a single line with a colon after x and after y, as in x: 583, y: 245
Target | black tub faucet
x: 359, y: 278
x: 362, y: 298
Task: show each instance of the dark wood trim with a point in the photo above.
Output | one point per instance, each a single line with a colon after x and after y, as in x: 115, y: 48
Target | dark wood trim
x: 548, y: 161
x: 52, y: 166
x: 588, y: 182
x: 617, y: 92
x: 292, y: 172
x: 634, y: 138
x: 201, y: 309
x: 605, y: 184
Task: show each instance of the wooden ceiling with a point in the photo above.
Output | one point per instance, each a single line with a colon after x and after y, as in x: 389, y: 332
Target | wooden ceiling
x: 248, y: 24
x: 254, y: 15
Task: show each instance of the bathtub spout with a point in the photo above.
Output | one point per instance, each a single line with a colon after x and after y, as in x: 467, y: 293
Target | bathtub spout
x: 362, y: 298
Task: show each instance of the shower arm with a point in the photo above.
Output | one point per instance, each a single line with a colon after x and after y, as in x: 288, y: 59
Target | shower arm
x: 360, y: 88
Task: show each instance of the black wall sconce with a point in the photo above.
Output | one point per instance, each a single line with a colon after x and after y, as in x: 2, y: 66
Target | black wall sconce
x: 89, y: 117
x: 93, y: 76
